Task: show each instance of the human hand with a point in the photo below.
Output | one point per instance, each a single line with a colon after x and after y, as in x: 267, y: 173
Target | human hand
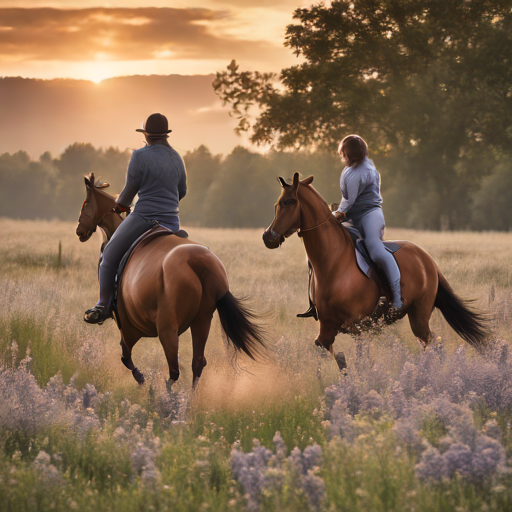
x: 339, y: 216
x: 119, y: 208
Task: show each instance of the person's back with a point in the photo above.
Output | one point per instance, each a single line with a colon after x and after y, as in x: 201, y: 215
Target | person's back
x: 157, y: 173
x: 360, y: 188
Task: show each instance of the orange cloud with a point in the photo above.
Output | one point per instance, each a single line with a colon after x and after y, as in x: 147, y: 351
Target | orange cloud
x: 118, y: 34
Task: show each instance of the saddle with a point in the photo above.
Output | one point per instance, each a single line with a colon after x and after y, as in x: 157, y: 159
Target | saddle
x: 364, y: 261
x: 372, y: 270
x: 154, y: 232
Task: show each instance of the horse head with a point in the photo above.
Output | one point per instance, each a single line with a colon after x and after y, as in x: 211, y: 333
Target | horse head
x: 93, y: 208
x: 287, y: 213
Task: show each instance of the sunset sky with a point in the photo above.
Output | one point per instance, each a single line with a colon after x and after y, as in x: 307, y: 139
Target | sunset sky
x: 98, y: 41
x: 94, y: 40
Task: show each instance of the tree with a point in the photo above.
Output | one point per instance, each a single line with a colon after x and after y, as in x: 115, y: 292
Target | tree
x: 202, y: 170
x: 242, y: 195
x: 493, y: 202
x: 428, y: 83
x: 24, y: 190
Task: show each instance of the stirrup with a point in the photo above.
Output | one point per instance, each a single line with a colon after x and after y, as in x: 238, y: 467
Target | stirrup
x: 97, y: 315
x: 311, y: 312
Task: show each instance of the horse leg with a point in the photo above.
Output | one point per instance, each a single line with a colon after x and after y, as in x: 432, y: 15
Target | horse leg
x: 200, y: 328
x: 169, y: 340
x: 419, y: 316
x: 126, y: 358
x: 325, y: 339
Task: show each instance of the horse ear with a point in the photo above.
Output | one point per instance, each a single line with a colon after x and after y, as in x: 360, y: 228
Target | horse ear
x: 295, y: 182
x: 307, y: 181
x: 282, y: 182
x: 88, y: 182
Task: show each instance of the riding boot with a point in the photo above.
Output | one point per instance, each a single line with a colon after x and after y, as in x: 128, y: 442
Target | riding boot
x: 396, y: 294
x: 396, y: 312
x: 311, y: 312
x: 107, y: 278
x: 103, y: 309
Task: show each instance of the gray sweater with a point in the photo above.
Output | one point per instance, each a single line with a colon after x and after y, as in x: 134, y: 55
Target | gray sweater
x: 157, y: 173
x: 360, y: 188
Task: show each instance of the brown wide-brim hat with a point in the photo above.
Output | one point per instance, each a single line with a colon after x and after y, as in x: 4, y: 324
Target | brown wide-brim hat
x: 156, y: 124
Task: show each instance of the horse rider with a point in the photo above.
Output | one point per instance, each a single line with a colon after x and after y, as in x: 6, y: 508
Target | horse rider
x: 362, y: 204
x: 157, y: 174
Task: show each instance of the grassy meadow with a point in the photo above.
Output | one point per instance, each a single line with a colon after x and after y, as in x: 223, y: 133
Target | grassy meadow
x: 403, y: 430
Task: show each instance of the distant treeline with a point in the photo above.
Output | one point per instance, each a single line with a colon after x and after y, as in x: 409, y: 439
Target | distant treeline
x: 240, y: 190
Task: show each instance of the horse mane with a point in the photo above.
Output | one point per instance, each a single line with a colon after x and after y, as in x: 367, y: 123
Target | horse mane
x: 316, y: 193
x: 319, y: 196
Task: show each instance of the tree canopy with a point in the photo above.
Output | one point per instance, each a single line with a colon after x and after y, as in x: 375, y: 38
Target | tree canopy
x: 428, y: 83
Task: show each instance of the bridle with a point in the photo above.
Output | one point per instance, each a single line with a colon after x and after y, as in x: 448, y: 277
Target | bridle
x: 299, y: 230
x: 93, y: 230
x: 299, y: 233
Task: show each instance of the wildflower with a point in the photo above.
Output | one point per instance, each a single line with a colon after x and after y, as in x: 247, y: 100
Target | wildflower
x: 263, y: 473
x: 48, y: 473
x: 143, y: 463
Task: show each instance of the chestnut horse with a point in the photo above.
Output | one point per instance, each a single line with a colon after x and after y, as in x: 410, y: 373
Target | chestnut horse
x: 169, y: 285
x: 345, y: 298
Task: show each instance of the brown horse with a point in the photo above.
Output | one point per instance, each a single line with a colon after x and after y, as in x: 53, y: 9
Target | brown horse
x: 345, y: 298
x: 169, y: 285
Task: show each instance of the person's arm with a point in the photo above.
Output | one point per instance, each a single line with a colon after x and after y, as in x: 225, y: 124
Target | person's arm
x: 352, y: 183
x: 133, y: 181
x: 182, y: 184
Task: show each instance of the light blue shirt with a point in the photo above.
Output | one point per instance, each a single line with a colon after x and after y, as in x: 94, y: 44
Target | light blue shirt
x: 360, y: 189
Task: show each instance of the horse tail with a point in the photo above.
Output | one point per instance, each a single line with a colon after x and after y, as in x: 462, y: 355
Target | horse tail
x: 467, y: 323
x: 237, y: 323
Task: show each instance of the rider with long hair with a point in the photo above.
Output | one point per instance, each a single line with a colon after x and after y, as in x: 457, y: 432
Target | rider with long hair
x: 361, y: 204
x: 157, y: 174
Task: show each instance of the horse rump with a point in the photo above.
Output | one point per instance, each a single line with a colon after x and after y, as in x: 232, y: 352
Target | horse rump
x: 466, y: 322
x: 237, y: 322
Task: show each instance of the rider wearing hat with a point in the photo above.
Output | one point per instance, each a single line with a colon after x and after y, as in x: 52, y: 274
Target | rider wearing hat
x: 157, y: 174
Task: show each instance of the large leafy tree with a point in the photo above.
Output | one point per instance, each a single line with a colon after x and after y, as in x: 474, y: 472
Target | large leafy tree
x: 427, y: 82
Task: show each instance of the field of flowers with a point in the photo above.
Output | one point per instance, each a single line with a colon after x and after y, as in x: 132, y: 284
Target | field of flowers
x: 402, y: 429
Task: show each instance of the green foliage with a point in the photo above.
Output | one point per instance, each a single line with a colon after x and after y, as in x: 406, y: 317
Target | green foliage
x: 243, y: 194
x: 299, y: 422
x: 54, y: 187
x: 493, y: 201
x: 426, y: 83
x: 240, y: 190
x: 202, y: 170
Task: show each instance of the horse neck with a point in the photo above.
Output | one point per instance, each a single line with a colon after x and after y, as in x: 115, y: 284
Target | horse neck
x: 328, y: 243
x: 109, y: 221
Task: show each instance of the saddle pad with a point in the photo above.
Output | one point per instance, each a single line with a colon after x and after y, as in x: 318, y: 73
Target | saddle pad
x: 364, y: 261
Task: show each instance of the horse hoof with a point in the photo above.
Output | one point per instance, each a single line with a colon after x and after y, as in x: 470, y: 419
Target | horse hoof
x: 137, y: 375
x: 341, y: 360
x: 169, y: 384
x: 322, y: 352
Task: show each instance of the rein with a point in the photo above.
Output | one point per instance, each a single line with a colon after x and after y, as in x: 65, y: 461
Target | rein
x: 99, y: 221
x: 299, y: 233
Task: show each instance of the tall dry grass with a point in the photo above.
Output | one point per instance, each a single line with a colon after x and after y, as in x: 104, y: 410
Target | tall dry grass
x: 45, y: 293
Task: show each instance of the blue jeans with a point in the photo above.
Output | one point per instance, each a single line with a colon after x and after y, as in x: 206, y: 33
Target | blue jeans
x: 371, y: 225
x: 130, y: 229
